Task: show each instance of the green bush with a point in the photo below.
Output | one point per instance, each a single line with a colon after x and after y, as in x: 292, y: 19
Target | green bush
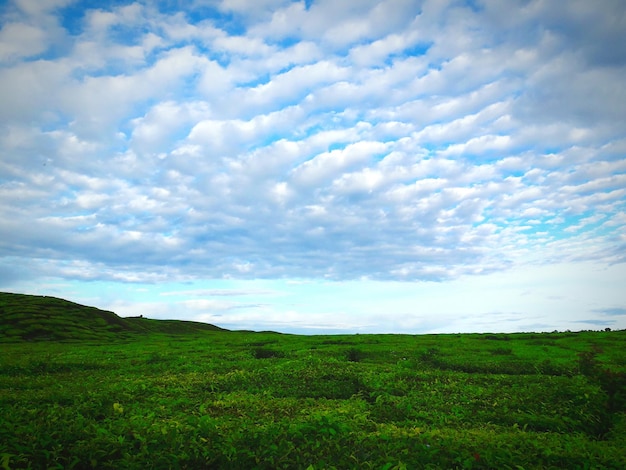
x: 264, y: 353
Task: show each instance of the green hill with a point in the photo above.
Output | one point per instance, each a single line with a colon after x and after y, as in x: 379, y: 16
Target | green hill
x: 41, y: 318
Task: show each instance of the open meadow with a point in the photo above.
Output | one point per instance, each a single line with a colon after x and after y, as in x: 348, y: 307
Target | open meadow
x: 138, y: 393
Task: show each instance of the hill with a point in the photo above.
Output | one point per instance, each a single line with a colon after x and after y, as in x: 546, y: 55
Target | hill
x: 42, y: 318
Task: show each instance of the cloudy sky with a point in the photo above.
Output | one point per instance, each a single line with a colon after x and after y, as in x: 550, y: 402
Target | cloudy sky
x: 318, y: 166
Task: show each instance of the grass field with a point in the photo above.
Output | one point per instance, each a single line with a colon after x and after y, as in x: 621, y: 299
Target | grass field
x: 81, y: 388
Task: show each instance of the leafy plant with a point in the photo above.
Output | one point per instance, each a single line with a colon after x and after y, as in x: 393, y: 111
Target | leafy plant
x: 264, y: 353
x: 355, y: 355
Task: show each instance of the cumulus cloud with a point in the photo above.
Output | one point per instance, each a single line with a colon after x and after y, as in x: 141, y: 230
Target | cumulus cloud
x: 391, y: 140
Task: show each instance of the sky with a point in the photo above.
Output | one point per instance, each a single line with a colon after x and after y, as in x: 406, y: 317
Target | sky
x: 319, y: 166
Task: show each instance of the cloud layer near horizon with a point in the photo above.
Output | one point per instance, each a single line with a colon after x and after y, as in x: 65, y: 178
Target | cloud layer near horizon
x: 385, y: 140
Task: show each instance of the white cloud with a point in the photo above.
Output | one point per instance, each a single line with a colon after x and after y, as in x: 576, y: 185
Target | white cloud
x: 21, y: 40
x: 328, y: 164
x: 378, y: 140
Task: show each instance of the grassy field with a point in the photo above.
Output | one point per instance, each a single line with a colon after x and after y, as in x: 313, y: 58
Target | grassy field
x: 84, y: 388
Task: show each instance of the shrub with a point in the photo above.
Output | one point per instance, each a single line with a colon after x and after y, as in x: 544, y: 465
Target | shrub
x: 355, y: 355
x: 588, y: 362
x: 264, y: 353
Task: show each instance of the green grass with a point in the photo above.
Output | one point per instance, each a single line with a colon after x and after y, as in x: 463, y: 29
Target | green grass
x: 176, y: 396
x: 41, y: 318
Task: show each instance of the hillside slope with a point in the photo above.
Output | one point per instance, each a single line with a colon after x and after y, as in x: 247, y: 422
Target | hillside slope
x: 41, y: 318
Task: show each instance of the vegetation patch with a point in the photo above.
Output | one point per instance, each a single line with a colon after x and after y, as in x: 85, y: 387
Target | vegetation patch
x: 171, y: 395
x: 42, y: 318
x: 265, y: 353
